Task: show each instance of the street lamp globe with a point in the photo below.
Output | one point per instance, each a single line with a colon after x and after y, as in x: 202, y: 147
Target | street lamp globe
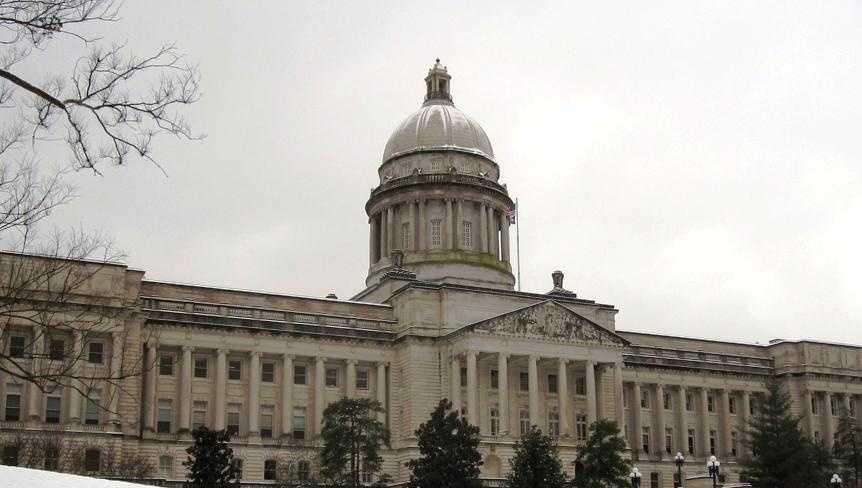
x: 679, y: 459
x: 635, y: 477
x: 713, y: 467
x: 835, y: 481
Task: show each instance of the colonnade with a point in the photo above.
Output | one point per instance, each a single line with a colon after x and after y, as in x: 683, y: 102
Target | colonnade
x: 493, y: 228
x: 827, y: 406
x: 287, y: 387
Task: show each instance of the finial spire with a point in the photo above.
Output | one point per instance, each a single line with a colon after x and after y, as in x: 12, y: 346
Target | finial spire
x: 437, y: 84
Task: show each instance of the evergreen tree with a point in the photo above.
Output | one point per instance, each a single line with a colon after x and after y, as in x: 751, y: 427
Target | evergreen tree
x: 600, y: 463
x: 536, y: 463
x: 848, y: 447
x: 448, y: 448
x: 351, y: 437
x: 210, y: 460
x: 781, y: 455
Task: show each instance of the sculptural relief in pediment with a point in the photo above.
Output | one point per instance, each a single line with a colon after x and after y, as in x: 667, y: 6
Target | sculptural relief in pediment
x: 550, y: 321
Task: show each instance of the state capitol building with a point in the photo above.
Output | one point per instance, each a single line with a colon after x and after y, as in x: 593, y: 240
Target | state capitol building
x: 438, y: 318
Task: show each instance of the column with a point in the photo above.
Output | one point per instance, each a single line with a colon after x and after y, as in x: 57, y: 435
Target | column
x: 483, y: 227
x: 319, y: 392
x: 116, y: 371
x: 503, y: 391
x: 351, y: 378
x: 459, y: 217
x: 448, y: 229
x: 829, y: 424
x: 381, y: 390
x: 533, y: 373
x: 704, y: 422
x: 372, y: 243
x: 382, y: 232
x: 34, y: 403
x: 220, y: 388
x: 186, y: 389
x: 725, y: 423
x: 152, y: 369
x: 637, y: 427
x: 492, y: 233
x: 846, y: 404
x: 591, y: 392
x: 414, y: 233
x: 472, y: 389
x: 618, y: 396
x: 455, y: 383
x: 809, y: 413
x: 504, y: 238
x: 391, y: 236
x: 286, y: 394
x: 658, y: 414
x: 254, y: 394
x: 422, y: 225
x: 681, y: 424
x: 77, y: 385
x: 563, y: 395
x: 746, y: 416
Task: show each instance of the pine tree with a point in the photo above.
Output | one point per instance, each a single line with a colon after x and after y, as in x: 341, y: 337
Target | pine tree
x: 210, y: 460
x: 781, y: 455
x: 536, y: 463
x: 351, y: 437
x: 600, y: 463
x: 848, y: 447
x: 448, y: 448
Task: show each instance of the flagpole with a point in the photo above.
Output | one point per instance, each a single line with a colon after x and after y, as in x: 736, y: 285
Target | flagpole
x: 518, y: 240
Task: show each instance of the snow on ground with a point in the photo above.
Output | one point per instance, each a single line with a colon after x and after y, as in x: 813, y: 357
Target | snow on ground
x: 13, y: 477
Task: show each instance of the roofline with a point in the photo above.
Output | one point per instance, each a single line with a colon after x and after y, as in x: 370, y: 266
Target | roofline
x: 62, y: 258
x: 740, y: 343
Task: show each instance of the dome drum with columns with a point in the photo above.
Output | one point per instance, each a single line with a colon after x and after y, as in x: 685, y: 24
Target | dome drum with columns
x: 439, y: 201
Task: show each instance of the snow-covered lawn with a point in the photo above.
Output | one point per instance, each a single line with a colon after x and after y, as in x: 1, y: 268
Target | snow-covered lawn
x: 11, y: 476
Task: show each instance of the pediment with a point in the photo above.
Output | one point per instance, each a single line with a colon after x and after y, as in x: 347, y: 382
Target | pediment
x: 549, y: 320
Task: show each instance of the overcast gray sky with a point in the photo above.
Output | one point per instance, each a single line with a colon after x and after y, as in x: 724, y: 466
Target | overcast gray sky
x: 696, y: 164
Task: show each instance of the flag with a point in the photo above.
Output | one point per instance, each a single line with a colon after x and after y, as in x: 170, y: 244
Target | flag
x: 512, y: 214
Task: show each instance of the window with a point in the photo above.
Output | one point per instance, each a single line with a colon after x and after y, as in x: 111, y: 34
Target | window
x: 524, y: 421
x: 92, y: 460
x: 752, y: 407
x: 668, y: 401
x: 52, y: 456
x: 331, y: 377
x: 689, y: 402
x: 581, y: 385
x: 524, y: 381
x: 581, y: 427
x: 166, y: 365
x: 712, y: 442
x: 495, y: 379
x: 668, y: 440
x: 734, y: 443
x: 645, y: 439
x: 365, y: 474
x: 362, y: 379
x: 52, y: 409
x: 552, y: 383
x: 299, y: 423
x: 437, y: 165
x: 691, y: 441
x: 201, y: 367
x: 554, y: 423
x: 405, y: 236
x: 833, y: 406
x: 17, y: 347
x: 710, y: 402
x: 814, y: 408
x: 199, y: 414
x: 625, y: 398
x: 436, y: 240
x: 654, y: 480
x: 270, y: 468
x: 10, y: 455
x: 266, y: 414
x: 165, y: 415
x: 233, y: 413
x: 494, y: 414
x: 467, y: 235
x: 463, y: 377
x: 166, y: 467
x: 237, y: 466
x: 267, y: 372
x: 303, y: 470
x: 299, y: 374
x: 13, y: 402
x: 91, y: 414
x: 57, y: 349
x: 817, y: 436
x: 644, y: 399
x: 95, y: 352
x: 234, y: 369
x: 852, y: 407
x: 731, y: 405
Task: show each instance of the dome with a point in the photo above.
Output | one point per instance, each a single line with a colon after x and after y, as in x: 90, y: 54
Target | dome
x: 438, y: 125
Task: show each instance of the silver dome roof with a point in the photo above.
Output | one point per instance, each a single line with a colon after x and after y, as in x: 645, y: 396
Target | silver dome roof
x: 438, y: 125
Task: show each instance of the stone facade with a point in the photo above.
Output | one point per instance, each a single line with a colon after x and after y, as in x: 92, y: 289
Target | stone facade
x: 439, y: 318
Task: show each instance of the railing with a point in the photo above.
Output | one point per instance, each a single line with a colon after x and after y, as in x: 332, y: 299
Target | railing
x: 456, y: 178
x: 641, y: 359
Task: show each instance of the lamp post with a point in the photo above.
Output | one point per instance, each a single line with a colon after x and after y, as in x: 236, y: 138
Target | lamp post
x: 713, y: 465
x: 835, y: 482
x: 635, y: 477
x: 679, y: 460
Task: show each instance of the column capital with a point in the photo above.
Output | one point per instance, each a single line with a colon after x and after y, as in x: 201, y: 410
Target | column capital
x: 472, y: 353
x: 188, y: 348
x: 288, y: 355
x: 222, y: 351
x: 503, y: 355
x: 320, y: 359
x: 352, y: 362
x: 254, y: 354
x: 382, y: 364
x: 535, y: 357
x: 564, y: 361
